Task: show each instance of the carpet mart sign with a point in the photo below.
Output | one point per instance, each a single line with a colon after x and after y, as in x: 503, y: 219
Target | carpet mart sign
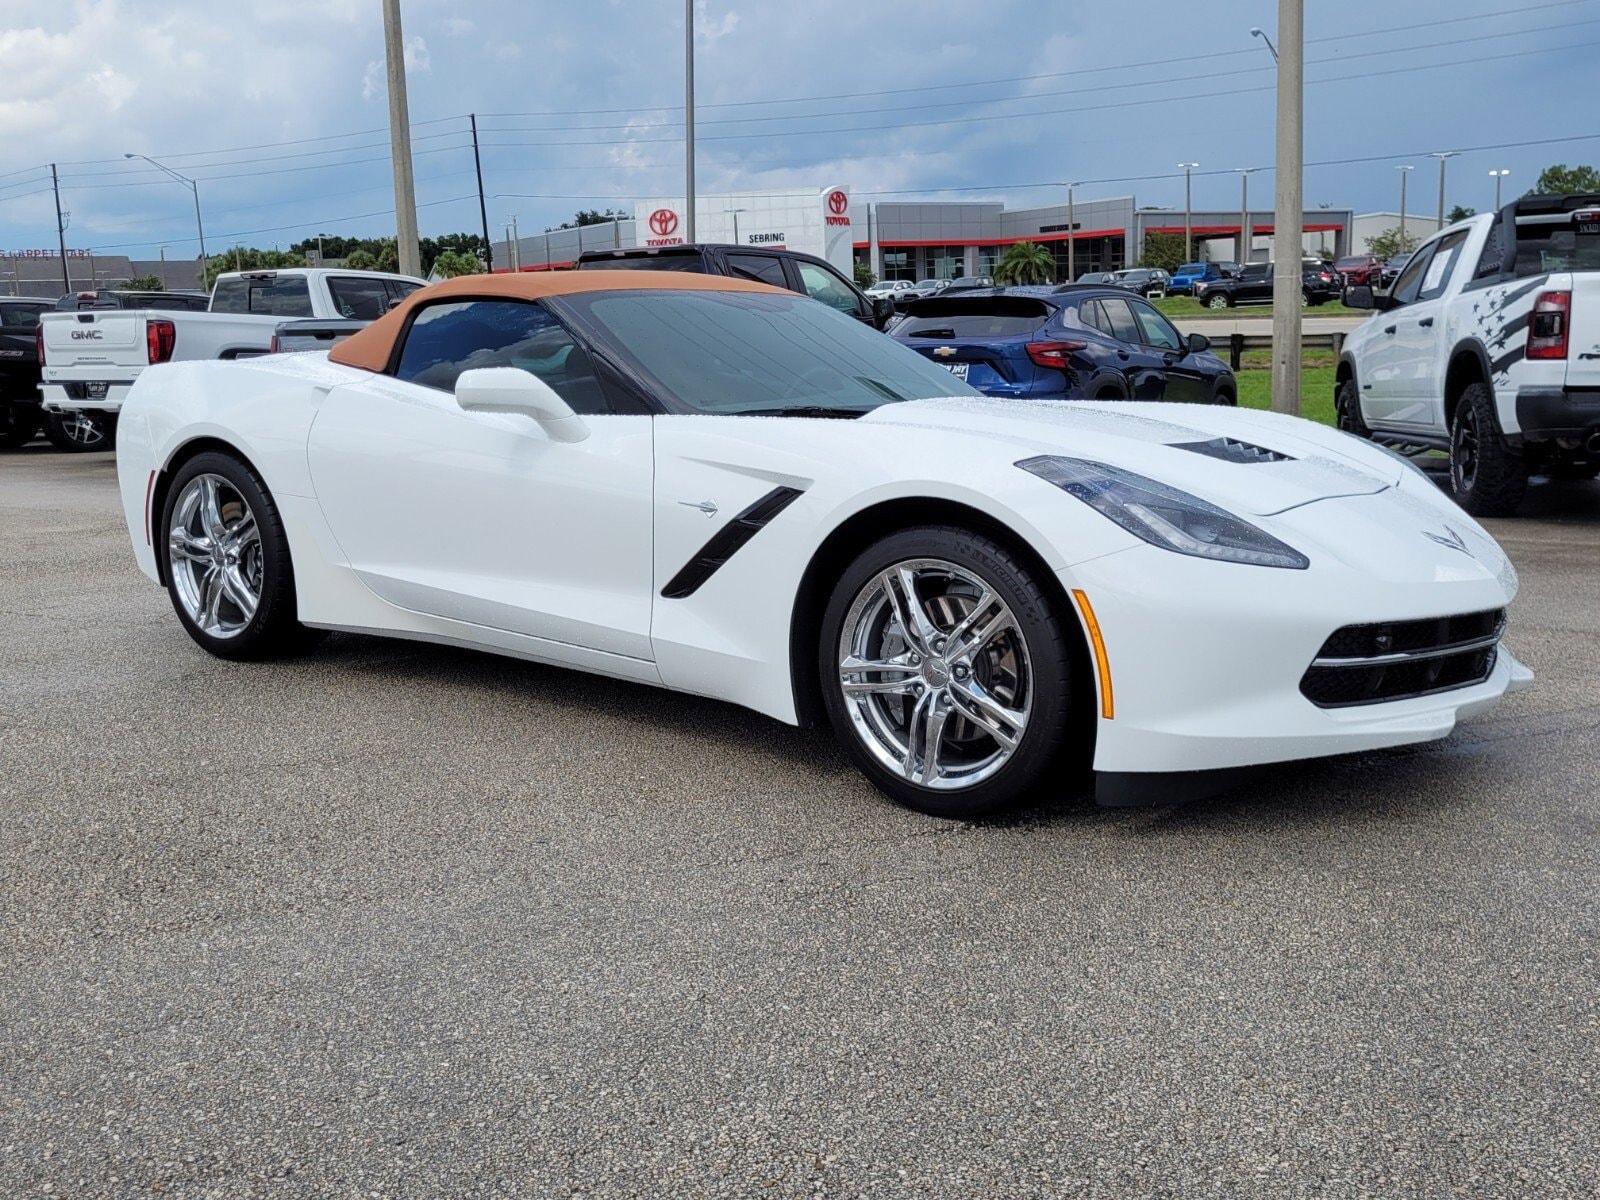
x: 812, y: 220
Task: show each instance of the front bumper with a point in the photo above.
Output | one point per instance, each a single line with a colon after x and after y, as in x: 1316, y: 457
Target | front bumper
x: 1546, y: 413
x: 1206, y: 659
x: 63, y: 398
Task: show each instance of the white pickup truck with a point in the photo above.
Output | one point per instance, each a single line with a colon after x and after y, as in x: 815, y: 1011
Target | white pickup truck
x: 1487, y: 347
x: 90, y: 358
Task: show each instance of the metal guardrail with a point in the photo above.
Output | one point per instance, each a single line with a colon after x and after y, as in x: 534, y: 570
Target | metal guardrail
x: 1238, y: 343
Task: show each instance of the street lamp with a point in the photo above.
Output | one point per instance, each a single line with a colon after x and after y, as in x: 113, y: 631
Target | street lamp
x: 1498, y: 176
x: 1072, y: 236
x: 1246, y: 228
x: 1188, y: 223
x: 1254, y: 32
x: 1405, y: 174
x: 735, y: 212
x: 193, y: 187
x: 1442, y: 156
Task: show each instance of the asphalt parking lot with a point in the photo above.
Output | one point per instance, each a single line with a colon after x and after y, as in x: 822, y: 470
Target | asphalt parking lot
x: 395, y: 920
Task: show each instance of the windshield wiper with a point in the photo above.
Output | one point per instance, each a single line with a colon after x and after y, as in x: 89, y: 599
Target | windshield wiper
x: 799, y: 410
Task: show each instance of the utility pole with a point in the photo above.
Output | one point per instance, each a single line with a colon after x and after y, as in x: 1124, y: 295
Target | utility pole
x: 1072, y: 237
x: 1498, y: 176
x: 735, y: 212
x: 1405, y: 174
x: 405, y: 188
x: 1287, y: 284
x: 61, y: 230
x: 483, y: 211
x: 516, y: 241
x: 688, y: 119
x: 163, y: 268
x: 1188, y: 218
x: 1246, y: 228
x: 1442, y: 156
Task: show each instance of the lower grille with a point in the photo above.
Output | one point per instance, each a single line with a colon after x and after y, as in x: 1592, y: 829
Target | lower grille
x: 1398, y: 660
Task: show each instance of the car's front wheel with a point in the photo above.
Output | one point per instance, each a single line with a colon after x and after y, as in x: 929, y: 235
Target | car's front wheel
x: 1218, y: 301
x: 227, y: 561
x: 81, y: 431
x: 947, y: 671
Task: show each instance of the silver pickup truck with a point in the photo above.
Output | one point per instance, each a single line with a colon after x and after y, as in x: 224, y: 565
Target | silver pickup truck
x: 90, y: 358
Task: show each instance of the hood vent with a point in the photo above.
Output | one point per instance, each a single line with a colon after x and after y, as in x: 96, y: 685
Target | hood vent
x: 1229, y: 450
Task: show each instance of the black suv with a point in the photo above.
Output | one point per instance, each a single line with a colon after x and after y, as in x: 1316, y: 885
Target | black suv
x: 124, y: 298
x: 20, y: 416
x: 1253, y: 285
x: 803, y: 273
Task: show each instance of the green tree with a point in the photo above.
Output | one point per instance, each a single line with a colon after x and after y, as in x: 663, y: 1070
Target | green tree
x: 1165, y: 251
x: 146, y: 283
x: 244, y: 258
x: 864, y: 276
x: 1387, y: 244
x: 1459, y: 213
x: 1562, y: 180
x: 389, y: 255
x: 590, y: 216
x: 1025, y: 262
x: 451, y: 263
x: 361, y: 260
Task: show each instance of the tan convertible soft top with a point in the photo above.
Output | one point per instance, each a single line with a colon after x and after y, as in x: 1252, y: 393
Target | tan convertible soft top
x: 372, y: 348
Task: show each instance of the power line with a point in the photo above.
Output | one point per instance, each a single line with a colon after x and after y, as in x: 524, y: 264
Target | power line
x: 236, y: 162
x: 354, y: 162
x: 327, y: 137
x: 387, y: 212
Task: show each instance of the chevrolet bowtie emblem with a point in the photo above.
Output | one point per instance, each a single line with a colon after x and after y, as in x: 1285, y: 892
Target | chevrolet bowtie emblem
x: 944, y: 351
x: 1448, y: 538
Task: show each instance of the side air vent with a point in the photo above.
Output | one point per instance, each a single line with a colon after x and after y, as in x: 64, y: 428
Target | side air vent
x: 1229, y: 450
x: 725, y: 543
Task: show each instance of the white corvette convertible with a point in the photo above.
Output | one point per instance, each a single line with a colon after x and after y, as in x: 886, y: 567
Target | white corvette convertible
x: 728, y: 489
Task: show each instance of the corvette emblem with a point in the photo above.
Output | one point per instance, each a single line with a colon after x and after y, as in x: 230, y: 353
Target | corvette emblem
x: 1448, y: 538
x: 943, y: 351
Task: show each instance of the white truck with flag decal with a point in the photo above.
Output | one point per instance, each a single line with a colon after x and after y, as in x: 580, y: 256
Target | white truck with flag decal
x: 90, y: 358
x: 1487, y: 347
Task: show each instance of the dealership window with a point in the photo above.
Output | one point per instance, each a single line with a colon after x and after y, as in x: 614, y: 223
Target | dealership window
x: 899, y: 264
x: 946, y: 262
x: 989, y: 258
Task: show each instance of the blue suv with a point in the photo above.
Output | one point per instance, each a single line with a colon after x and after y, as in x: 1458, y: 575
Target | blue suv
x: 1075, y: 342
x: 1185, y: 277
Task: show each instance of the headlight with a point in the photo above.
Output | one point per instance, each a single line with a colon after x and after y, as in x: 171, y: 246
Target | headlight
x: 1165, y: 516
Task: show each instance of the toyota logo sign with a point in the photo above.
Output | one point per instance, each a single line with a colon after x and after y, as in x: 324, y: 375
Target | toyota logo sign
x: 837, y: 202
x: 663, y: 221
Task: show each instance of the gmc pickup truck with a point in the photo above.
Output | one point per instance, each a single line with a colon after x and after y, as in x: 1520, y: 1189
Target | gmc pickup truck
x: 89, y: 359
x: 1488, y: 348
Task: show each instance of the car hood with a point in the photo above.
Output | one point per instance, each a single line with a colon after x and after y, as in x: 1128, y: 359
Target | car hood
x: 1175, y: 444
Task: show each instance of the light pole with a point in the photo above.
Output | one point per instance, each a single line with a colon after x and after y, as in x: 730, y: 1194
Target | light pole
x: 1260, y: 34
x: 163, y: 268
x: 1072, y: 237
x: 735, y: 212
x: 1405, y: 174
x: 1287, y: 284
x: 688, y: 119
x: 1246, y: 228
x: 193, y: 187
x: 1498, y: 176
x: 1442, y: 156
x: 1188, y: 222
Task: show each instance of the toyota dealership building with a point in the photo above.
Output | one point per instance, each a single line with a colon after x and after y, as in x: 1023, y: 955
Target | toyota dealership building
x: 922, y: 240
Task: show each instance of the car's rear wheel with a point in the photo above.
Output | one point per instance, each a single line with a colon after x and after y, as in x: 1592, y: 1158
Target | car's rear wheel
x: 18, y: 423
x: 946, y: 671
x: 1217, y: 302
x: 81, y: 431
x: 1487, y: 477
x: 227, y: 561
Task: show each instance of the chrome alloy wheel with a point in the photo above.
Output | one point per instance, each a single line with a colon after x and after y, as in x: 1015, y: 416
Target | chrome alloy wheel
x: 214, y: 553
x: 84, y: 430
x: 935, y: 674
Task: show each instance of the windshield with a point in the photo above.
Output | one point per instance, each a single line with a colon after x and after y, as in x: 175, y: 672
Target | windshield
x: 645, y: 262
x: 1192, y: 269
x: 752, y: 352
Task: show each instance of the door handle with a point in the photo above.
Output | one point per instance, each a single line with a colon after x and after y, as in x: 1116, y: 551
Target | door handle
x: 1426, y: 322
x: 1123, y: 355
x: 1388, y: 328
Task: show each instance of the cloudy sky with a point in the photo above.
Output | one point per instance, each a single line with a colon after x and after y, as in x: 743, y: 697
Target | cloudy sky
x: 279, y: 109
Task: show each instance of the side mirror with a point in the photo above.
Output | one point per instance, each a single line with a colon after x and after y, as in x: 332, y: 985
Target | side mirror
x: 1199, y: 343
x: 1361, y: 295
x: 882, y: 310
x: 513, y: 390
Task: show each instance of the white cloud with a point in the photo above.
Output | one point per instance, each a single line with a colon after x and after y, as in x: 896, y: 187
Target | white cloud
x: 457, y: 26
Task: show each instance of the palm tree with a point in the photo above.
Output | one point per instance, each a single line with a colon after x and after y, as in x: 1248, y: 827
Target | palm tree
x: 1025, y: 262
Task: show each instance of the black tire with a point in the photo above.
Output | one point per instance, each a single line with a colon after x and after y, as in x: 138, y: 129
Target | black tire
x: 1226, y: 396
x: 1487, y: 477
x: 1219, y: 301
x: 1055, y: 695
x: 18, y: 424
x: 274, y: 630
x: 81, y: 433
x: 1347, y: 410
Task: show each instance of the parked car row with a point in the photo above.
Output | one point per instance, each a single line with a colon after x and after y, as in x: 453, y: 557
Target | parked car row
x: 1254, y: 285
